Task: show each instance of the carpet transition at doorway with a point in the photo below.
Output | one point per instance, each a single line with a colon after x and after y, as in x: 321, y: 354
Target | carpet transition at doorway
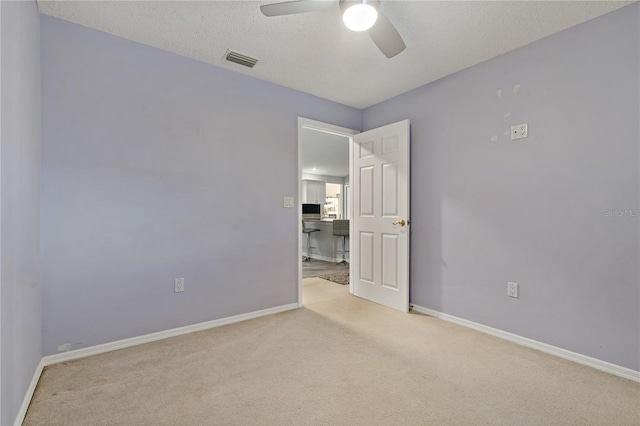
x: 341, y: 278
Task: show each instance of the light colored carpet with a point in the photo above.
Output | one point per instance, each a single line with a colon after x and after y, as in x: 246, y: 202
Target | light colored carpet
x: 339, y: 360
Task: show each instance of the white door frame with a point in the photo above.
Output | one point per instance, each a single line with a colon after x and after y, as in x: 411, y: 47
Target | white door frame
x: 306, y: 123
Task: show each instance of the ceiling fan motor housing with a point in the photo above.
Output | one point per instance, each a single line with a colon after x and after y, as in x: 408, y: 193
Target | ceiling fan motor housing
x: 346, y: 4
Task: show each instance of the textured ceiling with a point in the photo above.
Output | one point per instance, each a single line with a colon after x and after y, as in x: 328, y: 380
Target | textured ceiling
x: 316, y: 54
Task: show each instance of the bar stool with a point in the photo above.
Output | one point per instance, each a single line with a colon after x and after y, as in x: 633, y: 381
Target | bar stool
x: 308, y: 231
x: 341, y: 229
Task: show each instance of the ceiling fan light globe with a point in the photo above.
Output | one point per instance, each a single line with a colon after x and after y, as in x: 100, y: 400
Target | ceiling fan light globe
x: 360, y: 17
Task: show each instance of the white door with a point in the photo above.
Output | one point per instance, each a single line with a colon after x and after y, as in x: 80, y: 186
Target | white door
x: 380, y: 230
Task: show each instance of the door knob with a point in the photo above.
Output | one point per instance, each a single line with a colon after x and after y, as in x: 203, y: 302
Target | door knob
x: 401, y: 223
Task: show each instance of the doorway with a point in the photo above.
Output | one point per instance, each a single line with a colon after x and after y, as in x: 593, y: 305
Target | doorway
x: 379, y: 211
x: 310, y: 180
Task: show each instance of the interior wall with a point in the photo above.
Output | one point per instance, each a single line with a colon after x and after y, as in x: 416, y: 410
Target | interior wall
x: 556, y: 212
x: 156, y: 167
x: 20, y: 290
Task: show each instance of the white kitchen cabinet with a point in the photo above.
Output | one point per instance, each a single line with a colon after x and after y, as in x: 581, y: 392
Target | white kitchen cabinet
x: 313, y: 191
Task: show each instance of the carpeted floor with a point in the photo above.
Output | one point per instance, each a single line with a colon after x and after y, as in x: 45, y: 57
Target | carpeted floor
x: 339, y: 360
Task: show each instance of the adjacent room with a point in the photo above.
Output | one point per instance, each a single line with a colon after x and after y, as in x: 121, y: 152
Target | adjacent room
x: 156, y: 169
x: 324, y: 203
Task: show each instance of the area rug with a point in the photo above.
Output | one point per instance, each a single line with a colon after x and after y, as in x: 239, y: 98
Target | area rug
x: 341, y: 278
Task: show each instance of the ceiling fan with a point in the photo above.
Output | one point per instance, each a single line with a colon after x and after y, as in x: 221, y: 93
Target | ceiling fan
x: 358, y: 15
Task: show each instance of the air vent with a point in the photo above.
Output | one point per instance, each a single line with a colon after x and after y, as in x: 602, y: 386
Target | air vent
x: 241, y: 59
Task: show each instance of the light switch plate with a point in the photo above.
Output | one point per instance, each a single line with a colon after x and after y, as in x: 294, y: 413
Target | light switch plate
x: 288, y: 202
x: 179, y: 285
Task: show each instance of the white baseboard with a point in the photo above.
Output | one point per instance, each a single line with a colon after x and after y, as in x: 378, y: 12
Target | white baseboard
x: 607, y: 367
x: 134, y: 341
x: 27, y: 397
x: 147, y: 338
x: 325, y: 258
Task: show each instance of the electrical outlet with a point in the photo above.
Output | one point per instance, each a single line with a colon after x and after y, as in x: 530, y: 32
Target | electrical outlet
x: 288, y: 202
x: 179, y: 285
x: 512, y: 289
x: 519, y: 131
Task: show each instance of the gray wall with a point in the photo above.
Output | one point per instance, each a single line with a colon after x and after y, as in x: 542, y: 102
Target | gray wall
x: 154, y: 167
x: 20, y: 294
x: 535, y: 211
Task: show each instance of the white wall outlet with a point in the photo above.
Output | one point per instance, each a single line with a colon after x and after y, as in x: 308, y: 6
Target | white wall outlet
x: 519, y: 131
x: 288, y: 202
x: 64, y: 348
x: 512, y: 289
x: 179, y: 285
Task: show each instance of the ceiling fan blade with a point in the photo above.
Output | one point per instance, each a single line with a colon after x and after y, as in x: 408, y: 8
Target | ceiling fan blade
x: 386, y: 37
x: 300, y: 6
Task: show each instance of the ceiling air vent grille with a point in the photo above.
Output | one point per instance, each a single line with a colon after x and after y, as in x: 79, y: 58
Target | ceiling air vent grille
x: 241, y: 59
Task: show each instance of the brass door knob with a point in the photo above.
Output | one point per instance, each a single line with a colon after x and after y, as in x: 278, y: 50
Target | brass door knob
x: 401, y: 222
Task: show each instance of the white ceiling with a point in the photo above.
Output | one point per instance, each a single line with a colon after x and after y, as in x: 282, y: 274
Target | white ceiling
x: 326, y: 152
x: 316, y: 54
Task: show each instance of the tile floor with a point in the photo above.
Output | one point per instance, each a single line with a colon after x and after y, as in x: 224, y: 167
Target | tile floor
x: 316, y: 268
